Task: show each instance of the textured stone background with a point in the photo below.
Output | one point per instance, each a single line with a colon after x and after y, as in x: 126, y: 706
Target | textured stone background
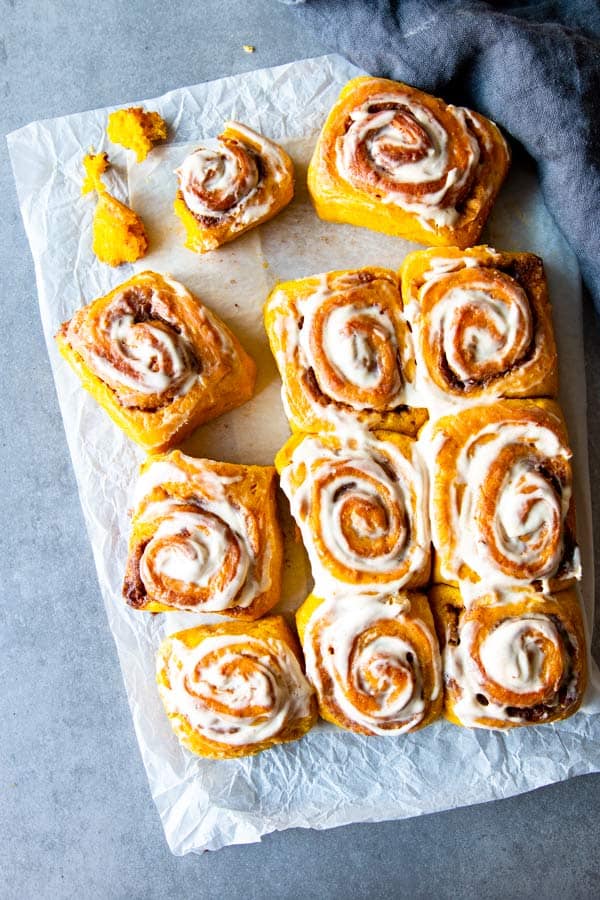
x: 76, y: 815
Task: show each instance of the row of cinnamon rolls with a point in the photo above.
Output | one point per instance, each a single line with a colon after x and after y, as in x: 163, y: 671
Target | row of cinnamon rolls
x: 386, y: 665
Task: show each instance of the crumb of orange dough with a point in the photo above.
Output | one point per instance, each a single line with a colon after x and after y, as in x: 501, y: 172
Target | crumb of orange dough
x: 136, y: 129
x: 95, y: 165
x: 118, y: 232
x: 119, y: 235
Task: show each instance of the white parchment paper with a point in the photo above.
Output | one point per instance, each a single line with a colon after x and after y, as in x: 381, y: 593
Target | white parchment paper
x: 330, y: 777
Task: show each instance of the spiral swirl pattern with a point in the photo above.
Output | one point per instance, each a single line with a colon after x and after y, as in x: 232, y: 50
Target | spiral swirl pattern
x: 361, y: 506
x: 477, y: 325
x: 516, y: 661
x: 235, y: 689
x: 212, y: 181
x: 237, y: 177
x: 150, y: 341
x: 374, y: 663
x: 350, y: 336
x: 502, y: 506
x: 412, y: 151
x: 517, y: 493
x: 199, y: 555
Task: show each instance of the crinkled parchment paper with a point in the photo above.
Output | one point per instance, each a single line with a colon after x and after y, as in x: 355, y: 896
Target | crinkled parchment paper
x: 329, y: 777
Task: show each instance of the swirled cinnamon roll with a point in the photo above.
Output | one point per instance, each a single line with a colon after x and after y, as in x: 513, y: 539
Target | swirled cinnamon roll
x: 403, y: 162
x: 204, y: 538
x: 514, y: 659
x: 344, y: 351
x: 502, y: 508
x: 225, y: 190
x: 360, y: 502
x: 482, y: 325
x: 235, y: 689
x: 374, y: 661
x: 156, y: 359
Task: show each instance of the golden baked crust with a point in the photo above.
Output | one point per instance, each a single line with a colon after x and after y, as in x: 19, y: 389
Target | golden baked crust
x: 156, y: 359
x: 235, y: 689
x: 482, y: 324
x: 368, y: 166
x: 515, y: 660
x: 360, y: 502
x: 502, y: 507
x: 341, y: 344
x: 204, y: 538
x: 225, y: 192
x: 374, y: 661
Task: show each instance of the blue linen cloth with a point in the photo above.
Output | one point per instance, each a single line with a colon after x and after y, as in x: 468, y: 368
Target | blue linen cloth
x: 534, y: 68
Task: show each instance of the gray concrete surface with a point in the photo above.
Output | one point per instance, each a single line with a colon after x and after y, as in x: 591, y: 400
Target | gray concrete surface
x: 76, y: 817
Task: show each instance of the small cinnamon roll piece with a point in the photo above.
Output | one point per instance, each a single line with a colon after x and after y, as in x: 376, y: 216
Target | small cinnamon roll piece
x: 225, y: 190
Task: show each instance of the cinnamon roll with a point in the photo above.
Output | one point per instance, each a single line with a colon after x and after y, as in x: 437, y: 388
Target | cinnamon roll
x: 228, y: 189
x: 204, y: 538
x: 344, y: 351
x: 403, y: 162
x: 502, y: 509
x: 235, y: 689
x: 360, y: 502
x: 157, y: 360
x: 374, y: 661
x: 517, y: 658
x: 482, y: 325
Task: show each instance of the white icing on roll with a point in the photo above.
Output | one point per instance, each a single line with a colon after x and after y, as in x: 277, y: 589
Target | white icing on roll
x: 223, y: 177
x: 202, y: 546
x: 385, y: 672
x: 502, y: 337
x: 421, y: 136
x: 151, y: 355
x: 353, y: 350
x: 190, y: 550
x: 389, y: 495
x: 512, y: 656
x: 513, y: 660
x: 529, y: 515
x: 235, y: 689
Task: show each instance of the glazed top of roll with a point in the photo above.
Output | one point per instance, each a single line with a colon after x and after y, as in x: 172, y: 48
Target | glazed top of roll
x: 151, y: 341
x: 226, y: 177
x: 234, y: 689
x: 405, y: 147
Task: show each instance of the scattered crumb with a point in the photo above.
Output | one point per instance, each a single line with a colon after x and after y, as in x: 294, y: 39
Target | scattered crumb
x: 119, y: 235
x: 95, y: 165
x: 249, y: 48
x: 136, y: 129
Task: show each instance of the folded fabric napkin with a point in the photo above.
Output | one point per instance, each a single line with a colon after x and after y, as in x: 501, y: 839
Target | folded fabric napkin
x: 534, y: 68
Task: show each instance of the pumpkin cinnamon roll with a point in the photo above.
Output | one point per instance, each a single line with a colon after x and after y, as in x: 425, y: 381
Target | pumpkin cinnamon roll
x: 360, y: 502
x: 514, y: 659
x: 235, y: 689
x: 344, y: 351
x: 502, y: 507
x: 225, y: 190
x: 397, y: 160
x: 156, y: 359
x: 374, y: 661
x: 204, y: 538
x: 482, y: 325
